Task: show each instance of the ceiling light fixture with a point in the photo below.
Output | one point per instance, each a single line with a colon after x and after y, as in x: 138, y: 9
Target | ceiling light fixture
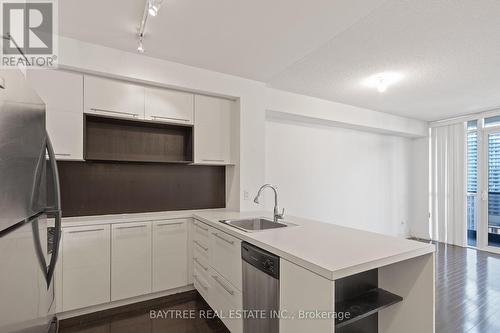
x: 151, y: 9
x: 381, y: 81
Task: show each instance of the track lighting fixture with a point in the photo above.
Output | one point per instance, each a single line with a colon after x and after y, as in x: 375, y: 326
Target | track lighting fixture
x: 151, y: 9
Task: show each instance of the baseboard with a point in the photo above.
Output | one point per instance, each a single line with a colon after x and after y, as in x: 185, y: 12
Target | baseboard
x: 111, y: 305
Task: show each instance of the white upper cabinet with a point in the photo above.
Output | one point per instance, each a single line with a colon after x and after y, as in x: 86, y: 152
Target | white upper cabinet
x: 130, y: 260
x: 212, y: 126
x: 113, y: 98
x: 169, y: 106
x: 170, y: 254
x: 62, y: 93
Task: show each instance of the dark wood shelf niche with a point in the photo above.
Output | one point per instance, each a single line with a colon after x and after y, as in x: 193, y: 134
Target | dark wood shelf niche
x: 360, y: 296
x: 365, y: 305
x: 112, y: 139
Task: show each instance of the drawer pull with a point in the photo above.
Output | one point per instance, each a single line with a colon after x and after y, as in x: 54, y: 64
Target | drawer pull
x: 223, y: 285
x: 199, y: 226
x: 164, y: 224
x: 132, y: 227
x: 222, y: 238
x: 201, y: 265
x: 135, y: 115
x: 62, y: 154
x: 169, y: 118
x: 201, y: 283
x: 211, y: 160
x: 87, y: 230
x: 204, y: 248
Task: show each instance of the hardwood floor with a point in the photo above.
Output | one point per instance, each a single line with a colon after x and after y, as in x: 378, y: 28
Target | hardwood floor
x: 135, y: 318
x: 467, y: 301
x: 467, y: 290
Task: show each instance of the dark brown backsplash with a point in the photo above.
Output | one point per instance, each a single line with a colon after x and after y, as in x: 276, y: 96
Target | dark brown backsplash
x: 96, y: 188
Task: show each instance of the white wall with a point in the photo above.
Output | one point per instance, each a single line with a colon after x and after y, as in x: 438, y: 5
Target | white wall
x: 343, y: 176
x: 419, y: 185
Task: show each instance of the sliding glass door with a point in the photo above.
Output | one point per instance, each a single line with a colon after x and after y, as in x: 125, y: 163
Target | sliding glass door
x: 483, y: 183
x: 472, y: 199
x: 492, y: 227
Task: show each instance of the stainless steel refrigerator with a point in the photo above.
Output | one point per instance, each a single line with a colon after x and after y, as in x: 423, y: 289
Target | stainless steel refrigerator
x: 29, y: 198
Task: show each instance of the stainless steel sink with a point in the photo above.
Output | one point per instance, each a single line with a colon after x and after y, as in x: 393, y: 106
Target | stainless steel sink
x: 255, y: 224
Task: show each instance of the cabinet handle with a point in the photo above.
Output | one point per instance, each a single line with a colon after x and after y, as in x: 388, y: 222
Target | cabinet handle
x: 86, y: 230
x: 199, y: 226
x: 132, y: 227
x: 225, y: 240
x: 135, y: 115
x: 204, y: 248
x: 201, y: 265
x: 163, y: 224
x: 169, y: 118
x: 209, y: 160
x: 223, y: 285
x: 198, y: 280
x: 62, y: 154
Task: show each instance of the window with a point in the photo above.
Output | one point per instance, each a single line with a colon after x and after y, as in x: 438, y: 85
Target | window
x: 472, y: 183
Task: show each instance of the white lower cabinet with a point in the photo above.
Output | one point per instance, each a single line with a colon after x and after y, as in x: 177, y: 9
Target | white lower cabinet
x: 226, y: 299
x: 130, y: 260
x: 170, y: 254
x: 201, y: 281
x: 85, y: 266
x: 217, y: 272
x: 226, y: 256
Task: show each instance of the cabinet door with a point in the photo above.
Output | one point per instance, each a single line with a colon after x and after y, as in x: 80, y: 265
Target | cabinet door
x: 113, y: 98
x: 170, y: 257
x: 62, y: 93
x: 226, y: 256
x: 212, y: 130
x: 169, y: 106
x: 130, y: 260
x: 85, y: 266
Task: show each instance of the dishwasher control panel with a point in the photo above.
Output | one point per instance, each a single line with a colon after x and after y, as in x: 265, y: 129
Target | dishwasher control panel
x: 261, y: 259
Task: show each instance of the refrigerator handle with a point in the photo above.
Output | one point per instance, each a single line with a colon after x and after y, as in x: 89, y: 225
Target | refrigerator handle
x: 35, y: 193
x: 55, y: 211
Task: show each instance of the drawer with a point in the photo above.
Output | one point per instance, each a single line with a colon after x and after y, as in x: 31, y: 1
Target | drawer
x: 225, y: 298
x: 225, y: 256
x: 201, y: 282
x: 200, y: 262
x: 201, y: 249
x: 201, y: 230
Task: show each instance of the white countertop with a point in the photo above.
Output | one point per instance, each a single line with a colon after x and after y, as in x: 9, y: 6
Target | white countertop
x: 326, y: 249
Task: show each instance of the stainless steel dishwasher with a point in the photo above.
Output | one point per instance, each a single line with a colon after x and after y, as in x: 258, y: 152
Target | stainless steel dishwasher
x: 260, y: 289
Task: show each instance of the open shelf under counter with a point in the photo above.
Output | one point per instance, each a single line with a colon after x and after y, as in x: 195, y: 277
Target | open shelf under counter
x: 364, y: 305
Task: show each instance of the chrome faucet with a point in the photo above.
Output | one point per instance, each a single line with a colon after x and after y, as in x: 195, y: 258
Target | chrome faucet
x: 277, y: 214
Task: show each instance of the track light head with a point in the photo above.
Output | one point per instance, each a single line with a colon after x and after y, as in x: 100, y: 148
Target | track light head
x: 154, y: 7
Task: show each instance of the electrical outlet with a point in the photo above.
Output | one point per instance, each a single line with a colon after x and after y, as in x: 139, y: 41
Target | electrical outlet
x: 246, y: 195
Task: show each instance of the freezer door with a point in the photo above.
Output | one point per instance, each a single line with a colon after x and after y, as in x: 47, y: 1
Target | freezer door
x: 25, y: 300
x: 22, y: 150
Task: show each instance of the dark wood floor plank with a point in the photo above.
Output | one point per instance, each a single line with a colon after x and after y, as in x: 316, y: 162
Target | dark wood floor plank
x: 467, y: 290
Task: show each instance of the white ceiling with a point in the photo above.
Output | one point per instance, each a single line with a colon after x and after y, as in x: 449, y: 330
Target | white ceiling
x: 448, y: 50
